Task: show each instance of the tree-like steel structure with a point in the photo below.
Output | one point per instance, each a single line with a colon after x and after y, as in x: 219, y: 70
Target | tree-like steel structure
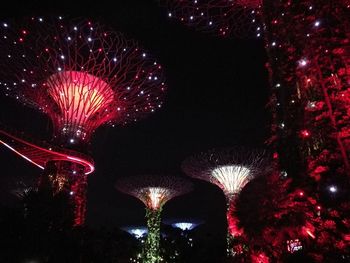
x: 239, y: 18
x: 82, y: 75
x: 230, y: 169
x: 308, y: 49
x: 154, y: 191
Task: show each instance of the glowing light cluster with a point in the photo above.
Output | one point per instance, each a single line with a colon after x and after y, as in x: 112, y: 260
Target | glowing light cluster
x: 231, y: 178
x: 79, y: 73
x: 155, y: 197
x: 294, y: 245
x: 154, y: 191
x: 228, y: 168
x: 80, y: 97
x: 137, y: 232
x: 185, y: 225
x: 222, y: 17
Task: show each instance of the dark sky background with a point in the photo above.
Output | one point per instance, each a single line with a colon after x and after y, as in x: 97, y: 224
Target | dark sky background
x: 216, y: 97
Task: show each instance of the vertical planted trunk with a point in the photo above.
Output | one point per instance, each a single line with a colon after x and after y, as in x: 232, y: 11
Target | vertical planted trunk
x: 68, y: 177
x: 233, y: 231
x: 152, y: 245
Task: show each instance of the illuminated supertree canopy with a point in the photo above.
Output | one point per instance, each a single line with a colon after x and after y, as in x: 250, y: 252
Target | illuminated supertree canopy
x: 137, y: 231
x: 81, y: 74
x: 184, y: 226
x: 239, y: 18
x: 154, y: 191
x: 230, y: 169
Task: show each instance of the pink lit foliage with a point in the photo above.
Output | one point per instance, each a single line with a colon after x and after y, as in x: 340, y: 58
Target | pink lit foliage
x: 314, y: 63
x: 280, y: 219
x: 81, y: 74
x: 225, y: 18
x: 232, y: 221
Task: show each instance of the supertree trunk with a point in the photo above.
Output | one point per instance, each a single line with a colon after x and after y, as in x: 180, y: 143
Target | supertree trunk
x: 233, y: 231
x: 308, y: 45
x: 67, y: 177
x: 309, y: 57
x: 152, y: 244
x: 78, y: 197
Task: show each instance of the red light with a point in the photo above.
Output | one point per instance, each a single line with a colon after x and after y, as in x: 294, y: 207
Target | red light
x: 305, y: 133
x: 301, y: 193
x: 318, y: 207
x: 310, y: 233
x: 79, y: 96
x: 41, y: 159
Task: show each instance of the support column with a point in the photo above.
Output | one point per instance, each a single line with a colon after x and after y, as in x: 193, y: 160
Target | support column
x: 67, y: 177
x: 233, y: 231
x: 152, y: 244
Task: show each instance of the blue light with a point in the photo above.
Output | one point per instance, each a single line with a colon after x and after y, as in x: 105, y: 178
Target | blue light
x: 184, y: 225
x: 137, y: 232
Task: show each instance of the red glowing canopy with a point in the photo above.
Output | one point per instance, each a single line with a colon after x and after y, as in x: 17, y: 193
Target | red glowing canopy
x: 83, y: 100
x: 81, y: 74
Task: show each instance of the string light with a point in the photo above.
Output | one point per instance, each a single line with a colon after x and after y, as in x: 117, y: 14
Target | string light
x: 225, y: 18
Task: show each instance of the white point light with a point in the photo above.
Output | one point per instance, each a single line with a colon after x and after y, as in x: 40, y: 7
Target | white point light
x: 333, y: 189
x: 302, y: 62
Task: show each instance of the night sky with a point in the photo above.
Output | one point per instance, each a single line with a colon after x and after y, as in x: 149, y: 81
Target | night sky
x: 217, y: 92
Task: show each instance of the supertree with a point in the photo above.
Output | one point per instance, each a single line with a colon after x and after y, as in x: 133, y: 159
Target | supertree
x: 81, y: 75
x: 154, y: 191
x: 308, y: 48
x: 226, y: 18
x: 185, y: 225
x: 138, y: 232
x: 230, y: 169
x: 309, y: 58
